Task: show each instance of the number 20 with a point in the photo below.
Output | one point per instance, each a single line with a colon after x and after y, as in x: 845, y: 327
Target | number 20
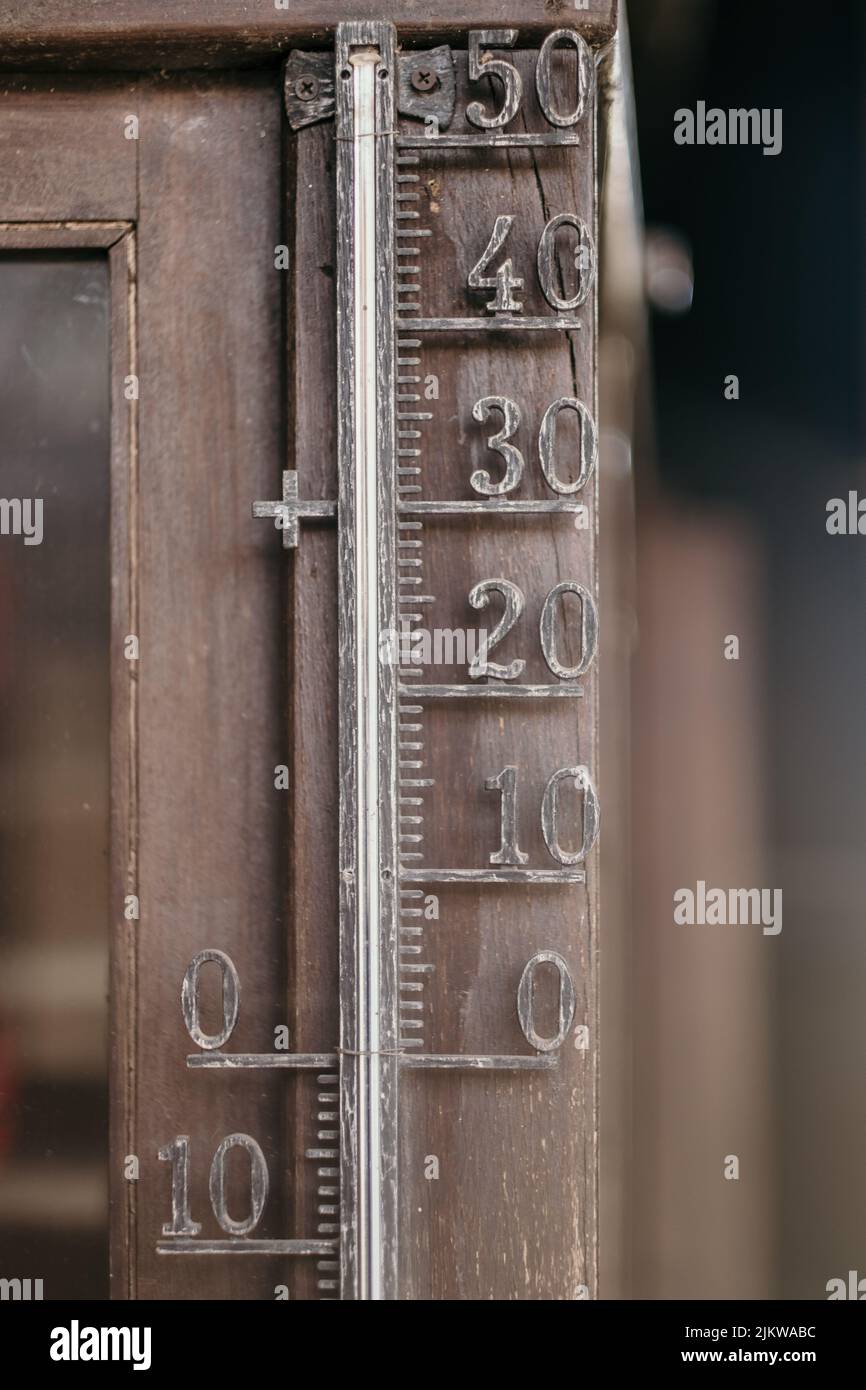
x: 479, y: 597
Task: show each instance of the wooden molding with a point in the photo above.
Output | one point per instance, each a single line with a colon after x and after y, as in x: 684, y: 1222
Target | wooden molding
x: 136, y: 34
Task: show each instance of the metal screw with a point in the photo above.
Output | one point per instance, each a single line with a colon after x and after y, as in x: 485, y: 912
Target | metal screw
x: 424, y: 80
x: 307, y: 88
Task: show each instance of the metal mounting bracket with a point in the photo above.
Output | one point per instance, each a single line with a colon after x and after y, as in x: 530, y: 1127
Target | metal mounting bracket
x: 289, y: 512
x: 426, y: 87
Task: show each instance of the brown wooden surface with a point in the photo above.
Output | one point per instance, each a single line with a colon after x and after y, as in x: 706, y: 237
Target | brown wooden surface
x: 124, y: 765
x: 63, y: 155
x: 312, y: 448
x: 218, y: 857
x: 212, y: 826
x: 523, y: 1147
x: 223, y: 33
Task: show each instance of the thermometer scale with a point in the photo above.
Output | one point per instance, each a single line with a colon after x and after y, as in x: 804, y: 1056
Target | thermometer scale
x: 467, y: 437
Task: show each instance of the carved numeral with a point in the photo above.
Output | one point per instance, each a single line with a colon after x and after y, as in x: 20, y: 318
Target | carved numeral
x: 588, y: 630
x: 550, y: 814
x: 567, y: 1002
x: 584, y: 261
x: 514, y: 461
x: 509, y: 851
x: 544, y: 83
x: 503, y: 280
x: 515, y: 603
x: 258, y: 1185
x: 231, y: 989
x: 547, y: 444
x: 482, y: 65
x: 479, y: 597
x: 177, y: 1154
x: 514, y: 464
x: 506, y: 784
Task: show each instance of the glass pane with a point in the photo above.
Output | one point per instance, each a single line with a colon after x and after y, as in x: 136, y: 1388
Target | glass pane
x: 54, y: 771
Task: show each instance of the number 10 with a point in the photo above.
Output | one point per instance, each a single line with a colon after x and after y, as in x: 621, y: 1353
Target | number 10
x: 509, y: 851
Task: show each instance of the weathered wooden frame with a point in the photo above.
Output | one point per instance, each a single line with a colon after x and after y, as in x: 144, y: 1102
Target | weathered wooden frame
x: 135, y: 34
x: 117, y: 239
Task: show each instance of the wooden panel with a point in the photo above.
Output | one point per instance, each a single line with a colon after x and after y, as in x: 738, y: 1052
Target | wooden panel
x: 124, y: 769
x: 63, y: 153
x: 523, y: 1146
x: 217, y: 856
x: 203, y: 33
x: 313, y: 431
x: 68, y: 236
x: 211, y: 862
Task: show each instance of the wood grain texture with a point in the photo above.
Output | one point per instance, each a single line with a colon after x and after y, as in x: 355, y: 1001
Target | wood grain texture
x: 212, y: 863
x: 123, y: 999
x: 66, y: 236
x: 63, y: 155
x: 523, y: 1146
x: 230, y: 33
x: 236, y: 678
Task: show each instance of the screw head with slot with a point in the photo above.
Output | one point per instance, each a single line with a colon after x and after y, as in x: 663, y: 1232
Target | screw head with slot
x: 424, y: 80
x: 307, y: 88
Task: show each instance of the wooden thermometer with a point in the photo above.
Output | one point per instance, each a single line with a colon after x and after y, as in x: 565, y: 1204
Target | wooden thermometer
x: 410, y: 1086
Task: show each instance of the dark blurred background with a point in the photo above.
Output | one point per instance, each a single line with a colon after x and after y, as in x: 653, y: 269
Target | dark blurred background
x: 751, y: 772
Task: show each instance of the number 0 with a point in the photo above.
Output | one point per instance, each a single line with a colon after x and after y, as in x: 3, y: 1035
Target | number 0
x: 258, y: 1184
x: 567, y: 1002
x: 550, y: 814
x: 584, y: 261
x: 544, y: 83
x: 231, y: 990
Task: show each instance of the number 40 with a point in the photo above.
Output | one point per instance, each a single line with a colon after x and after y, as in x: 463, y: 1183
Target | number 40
x: 504, y: 281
